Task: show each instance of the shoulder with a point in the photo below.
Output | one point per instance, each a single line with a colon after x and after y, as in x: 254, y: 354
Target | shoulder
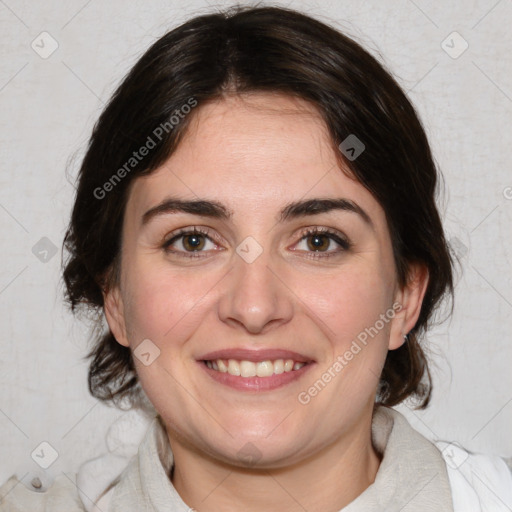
x: 17, y: 496
x: 476, y: 479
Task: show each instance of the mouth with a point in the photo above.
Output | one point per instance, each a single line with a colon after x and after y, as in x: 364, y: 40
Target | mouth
x: 261, y: 370
x: 247, y: 369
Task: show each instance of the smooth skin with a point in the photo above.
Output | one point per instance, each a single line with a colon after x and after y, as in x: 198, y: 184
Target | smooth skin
x: 255, y: 154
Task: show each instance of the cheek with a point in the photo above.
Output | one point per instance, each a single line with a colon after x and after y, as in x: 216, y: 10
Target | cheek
x: 165, y: 309
x: 349, y: 302
x: 161, y: 305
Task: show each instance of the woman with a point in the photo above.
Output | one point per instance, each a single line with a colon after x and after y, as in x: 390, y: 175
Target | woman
x: 255, y: 217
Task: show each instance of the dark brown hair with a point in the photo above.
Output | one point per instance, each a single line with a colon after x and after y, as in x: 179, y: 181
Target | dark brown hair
x: 238, y: 51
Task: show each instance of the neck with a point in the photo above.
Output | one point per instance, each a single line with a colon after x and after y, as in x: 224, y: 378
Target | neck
x: 325, y: 482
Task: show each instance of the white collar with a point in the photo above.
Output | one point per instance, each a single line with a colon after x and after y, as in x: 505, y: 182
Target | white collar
x: 412, y: 475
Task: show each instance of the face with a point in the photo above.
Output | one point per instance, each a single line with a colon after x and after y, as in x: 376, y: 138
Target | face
x: 247, y: 279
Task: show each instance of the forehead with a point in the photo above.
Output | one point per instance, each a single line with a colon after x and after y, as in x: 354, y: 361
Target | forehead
x: 257, y: 133
x: 255, y: 152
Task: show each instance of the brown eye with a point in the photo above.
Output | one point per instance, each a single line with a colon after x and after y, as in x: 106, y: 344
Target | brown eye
x: 318, y: 242
x: 190, y: 243
x: 193, y: 242
x: 322, y: 242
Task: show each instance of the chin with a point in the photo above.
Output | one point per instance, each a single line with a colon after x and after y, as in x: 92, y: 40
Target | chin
x: 259, y: 454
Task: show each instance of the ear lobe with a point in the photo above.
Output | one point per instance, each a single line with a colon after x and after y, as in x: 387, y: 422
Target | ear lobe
x: 411, y: 298
x: 114, y: 313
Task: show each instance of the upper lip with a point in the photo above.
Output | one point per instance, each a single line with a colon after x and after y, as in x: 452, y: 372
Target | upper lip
x: 241, y: 354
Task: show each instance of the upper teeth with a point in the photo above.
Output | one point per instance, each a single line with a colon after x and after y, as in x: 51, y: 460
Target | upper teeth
x: 251, y: 369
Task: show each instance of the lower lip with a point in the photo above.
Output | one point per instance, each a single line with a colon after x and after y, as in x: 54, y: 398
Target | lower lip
x: 256, y: 383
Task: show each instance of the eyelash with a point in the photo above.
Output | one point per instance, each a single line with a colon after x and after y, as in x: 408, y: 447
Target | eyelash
x: 335, y: 236
x: 332, y: 235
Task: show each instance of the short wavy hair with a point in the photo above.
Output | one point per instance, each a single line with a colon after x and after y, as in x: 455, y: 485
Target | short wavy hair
x: 236, y: 51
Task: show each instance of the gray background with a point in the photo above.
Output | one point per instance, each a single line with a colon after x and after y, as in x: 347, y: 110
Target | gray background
x: 48, y: 108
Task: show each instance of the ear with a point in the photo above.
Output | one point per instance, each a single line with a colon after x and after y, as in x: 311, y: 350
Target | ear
x: 410, y: 297
x: 114, y: 313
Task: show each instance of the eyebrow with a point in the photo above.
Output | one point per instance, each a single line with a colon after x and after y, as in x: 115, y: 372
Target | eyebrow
x: 216, y: 210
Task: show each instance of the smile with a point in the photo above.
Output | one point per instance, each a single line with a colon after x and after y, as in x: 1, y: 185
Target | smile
x: 255, y: 370
x: 248, y: 369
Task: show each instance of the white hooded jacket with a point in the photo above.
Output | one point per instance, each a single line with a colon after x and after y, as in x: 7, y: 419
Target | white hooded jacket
x: 414, y: 475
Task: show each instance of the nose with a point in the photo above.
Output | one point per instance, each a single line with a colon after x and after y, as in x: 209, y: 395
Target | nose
x: 256, y: 297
